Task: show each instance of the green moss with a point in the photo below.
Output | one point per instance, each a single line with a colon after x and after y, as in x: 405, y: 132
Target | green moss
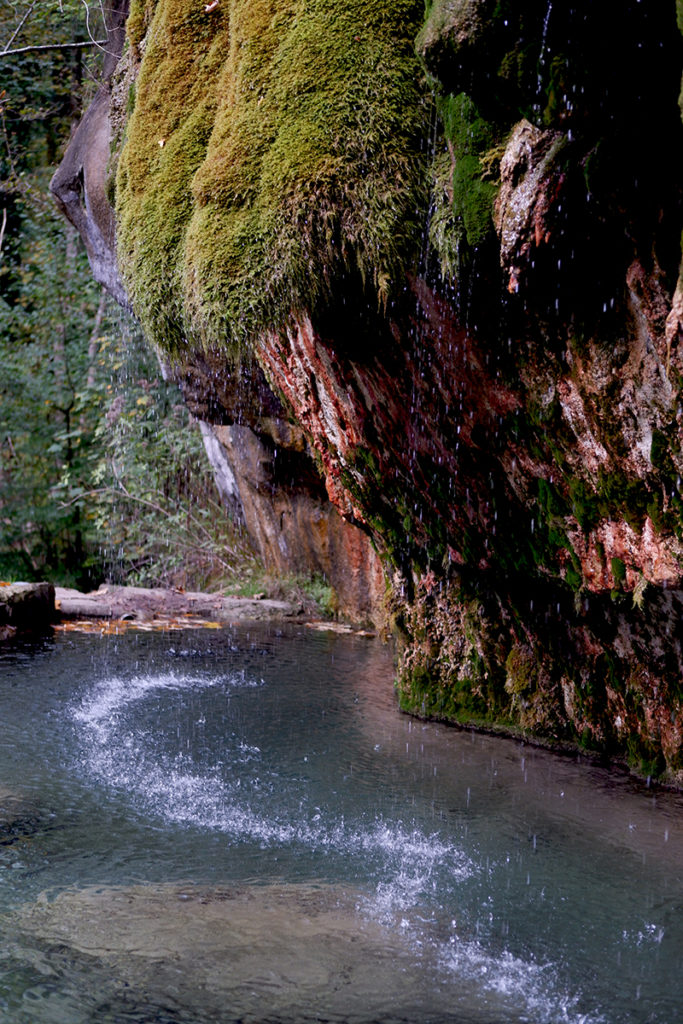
x: 445, y: 227
x: 574, y: 578
x: 558, y: 90
x: 423, y: 691
x: 521, y: 670
x: 644, y: 757
x: 291, y: 157
x: 471, y: 137
x: 414, y: 534
x: 444, y: 18
x: 130, y: 100
x: 654, y: 509
x: 659, y: 452
x: 139, y: 18
x: 584, y: 505
x: 618, y: 571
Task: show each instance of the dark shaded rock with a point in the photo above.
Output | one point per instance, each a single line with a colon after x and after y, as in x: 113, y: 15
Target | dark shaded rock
x: 29, y: 607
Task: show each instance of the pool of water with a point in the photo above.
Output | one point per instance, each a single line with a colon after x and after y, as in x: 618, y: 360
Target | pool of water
x: 240, y: 826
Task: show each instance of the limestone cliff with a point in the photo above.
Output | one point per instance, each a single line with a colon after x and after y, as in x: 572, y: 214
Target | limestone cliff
x: 423, y: 269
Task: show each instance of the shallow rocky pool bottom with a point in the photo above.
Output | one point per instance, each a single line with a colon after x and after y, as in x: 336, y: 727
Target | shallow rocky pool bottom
x: 241, y: 827
x: 285, y: 953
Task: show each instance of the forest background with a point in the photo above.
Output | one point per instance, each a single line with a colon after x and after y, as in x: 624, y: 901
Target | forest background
x: 103, y: 476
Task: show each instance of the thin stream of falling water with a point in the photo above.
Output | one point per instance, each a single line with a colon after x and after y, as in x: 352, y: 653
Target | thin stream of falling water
x: 542, y: 60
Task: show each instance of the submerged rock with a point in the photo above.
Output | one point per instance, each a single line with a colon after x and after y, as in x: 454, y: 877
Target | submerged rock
x: 19, y: 818
x: 277, y: 952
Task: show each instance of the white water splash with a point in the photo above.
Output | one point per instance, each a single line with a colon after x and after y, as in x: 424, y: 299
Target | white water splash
x: 516, y: 981
x: 124, y: 756
x: 113, y: 695
x: 650, y: 934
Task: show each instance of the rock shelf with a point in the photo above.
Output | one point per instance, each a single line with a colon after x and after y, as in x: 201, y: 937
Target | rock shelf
x: 141, y: 604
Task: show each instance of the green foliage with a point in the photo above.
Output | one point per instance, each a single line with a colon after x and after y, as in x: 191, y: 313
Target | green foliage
x: 101, y: 473
x: 311, y: 592
x: 156, y: 515
x: 274, y: 148
x: 43, y: 92
x: 48, y: 401
x: 100, y: 470
x: 50, y: 312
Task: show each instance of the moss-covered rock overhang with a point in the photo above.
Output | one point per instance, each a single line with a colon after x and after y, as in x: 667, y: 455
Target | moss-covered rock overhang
x: 514, y: 442
x: 274, y: 147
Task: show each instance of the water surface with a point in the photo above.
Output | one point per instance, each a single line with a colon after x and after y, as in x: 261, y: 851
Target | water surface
x: 241, y: 826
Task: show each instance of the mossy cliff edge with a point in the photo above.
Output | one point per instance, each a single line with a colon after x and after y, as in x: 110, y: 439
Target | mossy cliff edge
x: 273, y: 147
x: 450, y: 239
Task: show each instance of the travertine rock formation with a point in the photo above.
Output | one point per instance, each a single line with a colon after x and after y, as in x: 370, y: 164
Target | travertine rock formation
x: 423, y: 269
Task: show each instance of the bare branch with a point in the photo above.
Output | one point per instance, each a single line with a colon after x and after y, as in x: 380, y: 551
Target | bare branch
x: 20, y: 25
x: 87, y: 25
x: 10, y: 445
x: 53, y: 46
x: 2, y: 227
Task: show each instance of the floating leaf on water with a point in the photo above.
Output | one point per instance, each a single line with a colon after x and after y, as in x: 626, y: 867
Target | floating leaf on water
x: 112, y: 627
